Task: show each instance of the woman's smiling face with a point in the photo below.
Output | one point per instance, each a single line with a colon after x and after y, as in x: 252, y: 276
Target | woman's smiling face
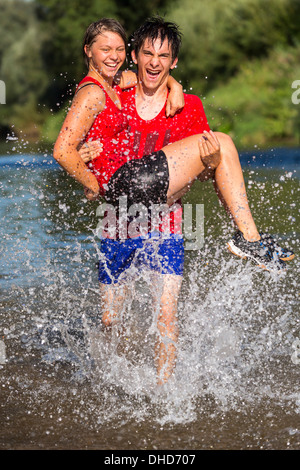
x: 107, y: 53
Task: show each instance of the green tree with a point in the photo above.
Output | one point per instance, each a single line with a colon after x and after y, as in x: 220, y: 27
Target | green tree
x: 132, y: 17
x: 241, y: 57
x: 21, y: 65
x: 220, y: 36
x: 66, y: 22
x: 255, y: 105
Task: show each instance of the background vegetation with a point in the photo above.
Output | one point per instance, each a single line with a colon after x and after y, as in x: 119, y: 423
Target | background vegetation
x: 240, y: 56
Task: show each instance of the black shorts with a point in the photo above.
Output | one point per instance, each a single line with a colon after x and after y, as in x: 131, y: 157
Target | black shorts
x: 144, y: 180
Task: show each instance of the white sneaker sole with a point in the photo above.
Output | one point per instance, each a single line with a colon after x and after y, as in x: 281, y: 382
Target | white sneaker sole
x: 236, y: 251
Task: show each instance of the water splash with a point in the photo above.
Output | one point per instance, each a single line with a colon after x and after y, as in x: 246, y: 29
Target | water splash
x: 233, y: 346
x: 238, y: 324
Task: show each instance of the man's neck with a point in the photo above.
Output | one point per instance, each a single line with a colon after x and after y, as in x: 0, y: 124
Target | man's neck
x: 149, y: 103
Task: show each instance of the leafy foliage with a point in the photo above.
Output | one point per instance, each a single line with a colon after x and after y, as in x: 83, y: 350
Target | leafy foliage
x: 21, y: 66
x: 255, y: 106
x: 220, y: 36
x: 240, y: 57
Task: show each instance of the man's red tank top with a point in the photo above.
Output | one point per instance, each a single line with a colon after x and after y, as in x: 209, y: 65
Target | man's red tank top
x: 108, y: 127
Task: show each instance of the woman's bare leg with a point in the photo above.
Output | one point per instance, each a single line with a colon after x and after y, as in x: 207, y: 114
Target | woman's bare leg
x: 185, y: 165
x: 230, y: 186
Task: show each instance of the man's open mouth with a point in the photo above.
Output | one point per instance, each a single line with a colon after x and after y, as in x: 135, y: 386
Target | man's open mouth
x: 153, y: 73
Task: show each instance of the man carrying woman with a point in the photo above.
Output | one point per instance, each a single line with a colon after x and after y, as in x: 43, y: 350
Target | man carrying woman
x: 184, y: 149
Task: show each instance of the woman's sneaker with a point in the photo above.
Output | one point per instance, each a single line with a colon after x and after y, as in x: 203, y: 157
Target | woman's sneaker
x: 282, y: 253
x: 264, y: 252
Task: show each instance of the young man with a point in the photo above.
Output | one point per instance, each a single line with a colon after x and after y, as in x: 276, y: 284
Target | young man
x: 155, y: 52
x: 163, y: 252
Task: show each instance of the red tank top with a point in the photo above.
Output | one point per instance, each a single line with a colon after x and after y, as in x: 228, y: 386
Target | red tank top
x: 108, y: 127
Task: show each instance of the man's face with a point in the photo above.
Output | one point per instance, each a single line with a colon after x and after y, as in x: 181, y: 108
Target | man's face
x: 154, y: 61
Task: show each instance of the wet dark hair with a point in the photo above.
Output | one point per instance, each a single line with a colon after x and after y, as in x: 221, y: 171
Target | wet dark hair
x: 154, y: 28
x: 99, y: 27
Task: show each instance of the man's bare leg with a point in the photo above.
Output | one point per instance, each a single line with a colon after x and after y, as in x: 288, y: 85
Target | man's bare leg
x: 165, y: 298
x: 112, y: 300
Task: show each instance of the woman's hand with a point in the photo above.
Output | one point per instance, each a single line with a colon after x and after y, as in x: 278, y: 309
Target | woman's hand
x: 90, y: 150
x: 210, y: 150
x: 175, y: 100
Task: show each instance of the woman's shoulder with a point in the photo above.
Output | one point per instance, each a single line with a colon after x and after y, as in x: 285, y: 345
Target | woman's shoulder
x: 91, y: 85
x: 90, y: 94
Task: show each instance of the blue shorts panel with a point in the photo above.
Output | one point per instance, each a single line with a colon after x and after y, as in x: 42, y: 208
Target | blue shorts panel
x: 160, y: 254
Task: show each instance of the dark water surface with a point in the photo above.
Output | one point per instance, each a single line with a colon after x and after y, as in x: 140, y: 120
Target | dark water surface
x: 64, y: 386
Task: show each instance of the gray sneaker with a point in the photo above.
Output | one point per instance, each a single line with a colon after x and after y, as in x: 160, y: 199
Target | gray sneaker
x: 263, y: 252
x: 283, y: 253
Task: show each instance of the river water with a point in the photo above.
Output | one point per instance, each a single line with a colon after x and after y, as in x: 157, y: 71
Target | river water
x: 63, y: 385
